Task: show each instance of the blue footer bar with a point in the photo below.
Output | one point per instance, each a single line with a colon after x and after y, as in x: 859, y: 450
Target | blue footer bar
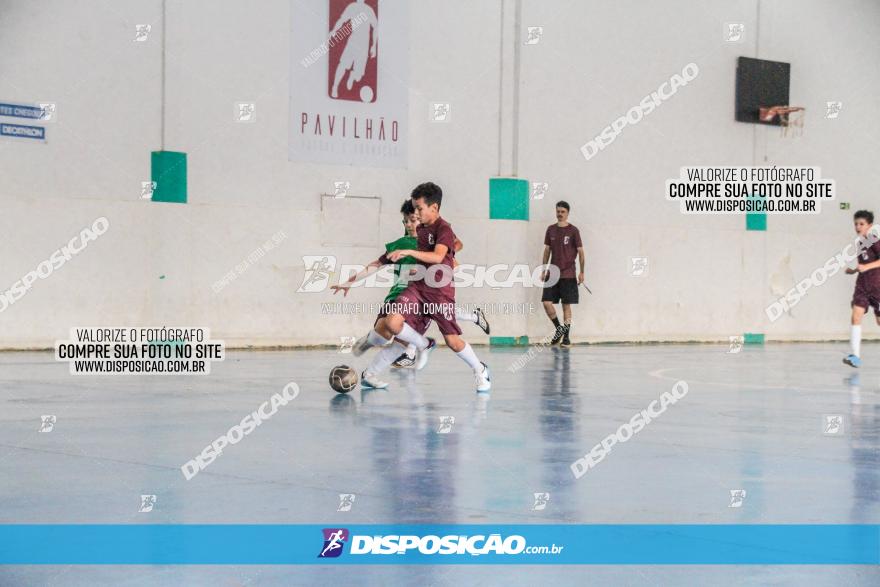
x: 170, y: 544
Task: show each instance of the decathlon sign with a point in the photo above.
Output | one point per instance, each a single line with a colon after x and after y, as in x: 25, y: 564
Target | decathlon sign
x: 24, y: 131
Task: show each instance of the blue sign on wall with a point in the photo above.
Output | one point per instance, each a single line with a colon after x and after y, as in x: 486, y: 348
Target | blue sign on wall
x: 21, y: 111
x: 22, y: 131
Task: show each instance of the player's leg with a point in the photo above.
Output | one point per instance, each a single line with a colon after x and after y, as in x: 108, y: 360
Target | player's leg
x: 370, y: 377
x: 568, y: 293
x: 413, y: 358
x: 401, y: 327
x: 558, y: 329
x: 451, y: 332
x: 379, y: 335
x: 550, y: 296
x: 466, y: 353
x: 855, y: 336
x: 393, y: 325
x: 395, y: 328
x: 566, y: 321
x: 411, y: 324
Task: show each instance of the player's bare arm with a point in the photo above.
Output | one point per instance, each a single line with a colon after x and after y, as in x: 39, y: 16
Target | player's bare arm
x: 582, y: 259
x: 344, y: 287
x: 868, y: 266
x: 430, y: 257
x: 544, y: 260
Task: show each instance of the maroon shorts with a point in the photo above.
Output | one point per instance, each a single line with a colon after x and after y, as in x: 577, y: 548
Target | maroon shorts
x: 865, y: 297
x: 419, y: 307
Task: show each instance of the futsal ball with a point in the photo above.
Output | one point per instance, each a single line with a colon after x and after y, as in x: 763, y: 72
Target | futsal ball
x: 366, y: 94
x: 343, y: 378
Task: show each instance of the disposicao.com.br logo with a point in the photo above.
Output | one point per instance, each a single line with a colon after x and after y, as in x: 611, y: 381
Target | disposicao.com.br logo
x: 430, y: 544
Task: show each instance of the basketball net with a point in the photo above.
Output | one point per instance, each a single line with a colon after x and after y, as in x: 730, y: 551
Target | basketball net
x: 791, y: 118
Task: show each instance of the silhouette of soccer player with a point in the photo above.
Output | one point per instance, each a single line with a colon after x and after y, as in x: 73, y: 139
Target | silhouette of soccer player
x: 354, y: 56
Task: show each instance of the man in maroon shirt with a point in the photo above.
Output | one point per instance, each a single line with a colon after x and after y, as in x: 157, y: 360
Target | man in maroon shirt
x: 562, y: 243
x: 431, y: 298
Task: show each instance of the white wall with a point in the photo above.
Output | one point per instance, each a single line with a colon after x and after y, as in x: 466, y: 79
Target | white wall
x: 708, y: 277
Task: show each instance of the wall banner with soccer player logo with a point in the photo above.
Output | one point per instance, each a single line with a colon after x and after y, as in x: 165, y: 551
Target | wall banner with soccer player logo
x: 349, y: 82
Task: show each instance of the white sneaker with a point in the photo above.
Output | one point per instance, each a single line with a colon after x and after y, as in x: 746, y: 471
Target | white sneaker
x: 484, y: 383
x: 422, y: 355
x: 370, y: 381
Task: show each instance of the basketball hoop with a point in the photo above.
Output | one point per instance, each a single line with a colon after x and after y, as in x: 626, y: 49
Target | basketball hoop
x: 791, y: 118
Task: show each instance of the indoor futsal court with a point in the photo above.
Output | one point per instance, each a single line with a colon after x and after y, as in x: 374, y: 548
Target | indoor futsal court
x: 386, y: 292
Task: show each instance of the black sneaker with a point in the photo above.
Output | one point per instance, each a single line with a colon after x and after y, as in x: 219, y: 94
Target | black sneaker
x: 481, y: 320
x: 566, y: 342
x: 560, y: 332
x: 404, y: 361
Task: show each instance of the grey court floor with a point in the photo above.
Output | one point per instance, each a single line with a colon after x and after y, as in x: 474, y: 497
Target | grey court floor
x: 756, y: 421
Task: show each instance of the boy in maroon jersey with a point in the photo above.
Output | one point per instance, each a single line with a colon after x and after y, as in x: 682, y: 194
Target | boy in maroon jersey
x: 562, y: 243
x: 402, y: 355
x: 867, y: 290
x: 431, y: 298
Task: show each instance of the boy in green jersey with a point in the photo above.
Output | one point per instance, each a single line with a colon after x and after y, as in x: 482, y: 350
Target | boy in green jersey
x: 408, y: 241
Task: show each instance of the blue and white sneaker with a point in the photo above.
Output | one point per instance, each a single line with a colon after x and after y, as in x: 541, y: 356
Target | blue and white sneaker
x: 484, y: 382
x: 370, y: 381
x: 404, y: 361
x: 422, y: 355
x: 853, y: 361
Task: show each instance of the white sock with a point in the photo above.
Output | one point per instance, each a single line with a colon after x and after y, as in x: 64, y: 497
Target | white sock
x: 855, y: 339
x: 408, y: 334
x: 384, y: 358
x: 463, y: 316
x: 376, y: 339
x: 411, y: 351
x: 468, y: 355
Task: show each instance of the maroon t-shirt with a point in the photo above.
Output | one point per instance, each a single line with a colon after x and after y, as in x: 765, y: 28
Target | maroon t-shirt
x: 869, y: 280
x: 438, y: 233
x: 564, y: 242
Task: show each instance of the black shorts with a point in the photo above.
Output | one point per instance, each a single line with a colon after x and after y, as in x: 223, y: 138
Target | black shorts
x: 566, y: 289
